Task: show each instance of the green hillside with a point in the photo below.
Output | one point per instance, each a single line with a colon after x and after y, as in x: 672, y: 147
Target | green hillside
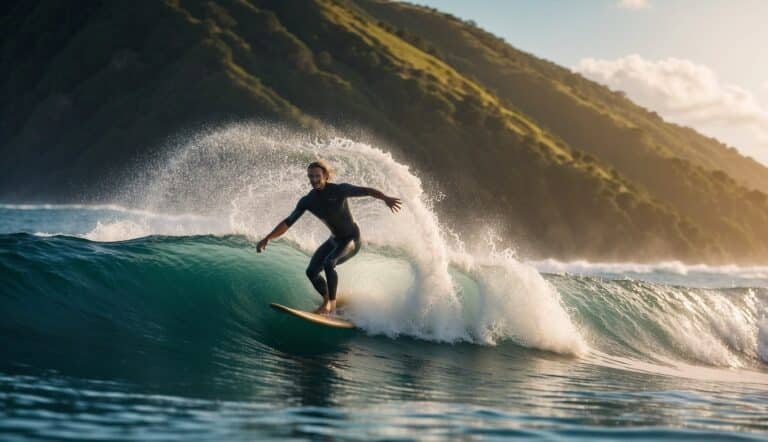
x: 529, y: 82
x: 569, y: 167
x: 674, y: 164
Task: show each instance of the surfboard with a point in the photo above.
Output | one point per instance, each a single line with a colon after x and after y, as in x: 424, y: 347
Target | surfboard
x: 328, y: 321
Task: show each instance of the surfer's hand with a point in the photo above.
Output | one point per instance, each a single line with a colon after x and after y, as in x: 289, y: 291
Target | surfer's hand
x: 261, y: 245
x: 393, y: 203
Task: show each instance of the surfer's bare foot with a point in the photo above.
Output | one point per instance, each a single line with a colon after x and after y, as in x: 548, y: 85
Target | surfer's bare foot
x: 323, y: 310
x: 326, y: 308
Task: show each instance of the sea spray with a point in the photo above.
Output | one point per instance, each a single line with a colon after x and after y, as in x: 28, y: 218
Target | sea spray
x: 762, y: 340
x: 249, y: 177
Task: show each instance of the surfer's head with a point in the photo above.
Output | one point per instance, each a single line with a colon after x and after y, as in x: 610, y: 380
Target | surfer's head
x: 318, y: 172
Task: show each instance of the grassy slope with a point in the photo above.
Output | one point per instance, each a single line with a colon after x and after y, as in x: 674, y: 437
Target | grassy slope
x: 675, y: 165
x: 505, y: 69
x: 77, y: 102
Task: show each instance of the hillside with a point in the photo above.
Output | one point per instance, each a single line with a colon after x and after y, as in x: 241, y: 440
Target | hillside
x: 536, y: 85
x: 572, y: 169
x: 697, y: 175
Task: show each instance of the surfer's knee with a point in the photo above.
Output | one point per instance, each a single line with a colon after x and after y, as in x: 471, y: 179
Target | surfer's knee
x: 311, y: 273
x: 329, y: 264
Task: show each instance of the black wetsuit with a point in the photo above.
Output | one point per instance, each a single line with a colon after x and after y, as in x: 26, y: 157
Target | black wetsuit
x: 330, y: 206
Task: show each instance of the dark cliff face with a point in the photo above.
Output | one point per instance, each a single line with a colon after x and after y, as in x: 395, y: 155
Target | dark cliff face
x: 572, y: 169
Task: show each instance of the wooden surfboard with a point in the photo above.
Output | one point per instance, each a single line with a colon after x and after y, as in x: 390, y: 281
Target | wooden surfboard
x: 328, y: 321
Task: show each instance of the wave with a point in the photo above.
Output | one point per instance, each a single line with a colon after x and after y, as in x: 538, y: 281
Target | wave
x: 157, y: 306
x: 184, y: 258
x: 162, y: 292
x: 379, y: 284
x: 659, y: 323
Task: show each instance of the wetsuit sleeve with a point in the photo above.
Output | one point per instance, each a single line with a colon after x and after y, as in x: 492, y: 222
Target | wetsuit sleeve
x: 301, y: 207
x: 348, y: 190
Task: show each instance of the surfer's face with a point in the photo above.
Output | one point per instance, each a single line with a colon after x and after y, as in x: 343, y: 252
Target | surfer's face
x: 316, y: 178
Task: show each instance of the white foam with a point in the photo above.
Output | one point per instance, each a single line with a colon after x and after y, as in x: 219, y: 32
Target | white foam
x: 118, y: 231
x: 515, y: 301
x: 762, y: 340
x: 712, y: 327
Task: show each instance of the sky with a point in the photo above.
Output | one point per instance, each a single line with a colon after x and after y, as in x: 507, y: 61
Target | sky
x: 701, y: 63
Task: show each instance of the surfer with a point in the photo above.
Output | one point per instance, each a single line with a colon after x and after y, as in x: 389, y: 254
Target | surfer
x: 328, y: 202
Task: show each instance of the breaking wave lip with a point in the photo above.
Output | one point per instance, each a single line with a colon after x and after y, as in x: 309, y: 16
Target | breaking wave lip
x: 670, y: 325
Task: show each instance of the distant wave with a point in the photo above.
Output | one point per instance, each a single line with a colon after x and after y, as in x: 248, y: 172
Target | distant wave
x: 675, y: 267
x: 99, y: 207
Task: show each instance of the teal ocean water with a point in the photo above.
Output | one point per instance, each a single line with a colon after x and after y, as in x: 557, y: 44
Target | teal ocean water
x: 149, y: 320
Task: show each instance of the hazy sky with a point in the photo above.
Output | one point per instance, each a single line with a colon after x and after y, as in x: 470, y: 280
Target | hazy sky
x: 703, y: 63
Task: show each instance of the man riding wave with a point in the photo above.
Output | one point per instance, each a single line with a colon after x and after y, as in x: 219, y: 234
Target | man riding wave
x: 328, y: 202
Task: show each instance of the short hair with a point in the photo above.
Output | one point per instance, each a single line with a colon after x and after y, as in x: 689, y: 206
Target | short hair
x: 322, y: 165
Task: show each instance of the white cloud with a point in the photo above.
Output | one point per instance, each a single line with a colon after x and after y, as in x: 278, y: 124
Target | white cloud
x: 633, y: 4
x: 690, y: 94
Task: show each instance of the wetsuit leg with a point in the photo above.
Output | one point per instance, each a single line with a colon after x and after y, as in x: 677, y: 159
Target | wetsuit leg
x: 316, y: 266
x: 345, y: 248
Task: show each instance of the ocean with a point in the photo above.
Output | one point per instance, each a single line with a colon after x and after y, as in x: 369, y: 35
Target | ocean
x: 148, y: 318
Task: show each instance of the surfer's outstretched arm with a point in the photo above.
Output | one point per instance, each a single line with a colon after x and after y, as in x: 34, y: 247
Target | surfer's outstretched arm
x: 283, y: 227
x: 393, y: 203
x: 275, y: 233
